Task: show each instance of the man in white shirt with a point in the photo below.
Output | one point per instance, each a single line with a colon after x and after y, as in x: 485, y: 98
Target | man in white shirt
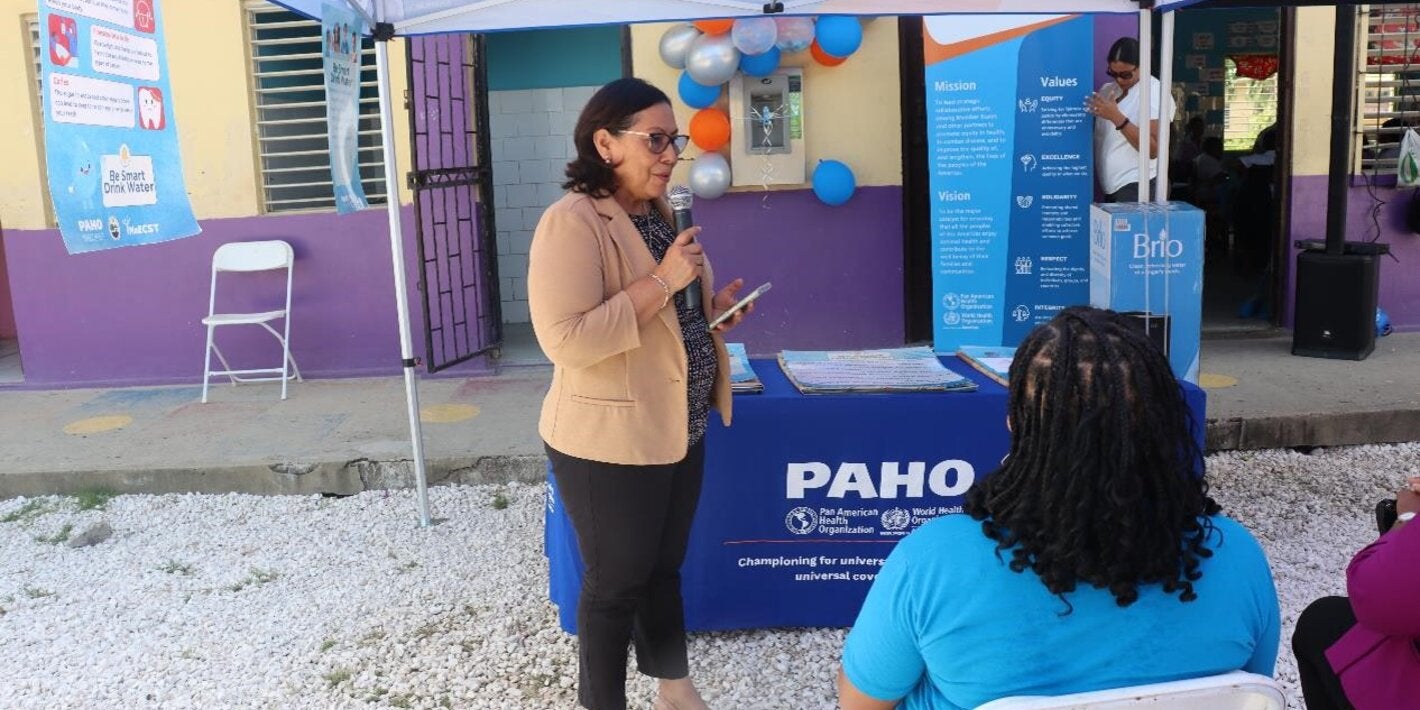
x: 1116, y: 109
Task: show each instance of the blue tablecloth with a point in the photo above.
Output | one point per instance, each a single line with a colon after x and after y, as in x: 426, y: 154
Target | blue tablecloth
x: 806, y: 494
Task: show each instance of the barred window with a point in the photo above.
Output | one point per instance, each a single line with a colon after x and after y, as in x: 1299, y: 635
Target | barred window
x: 1250, y: 107
x: 36, y: 57
x: 32, y: 27
x: 1388, y: 83
x: 288, y: 86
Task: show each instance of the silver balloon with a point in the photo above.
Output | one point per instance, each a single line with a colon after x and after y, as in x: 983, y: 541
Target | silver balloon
x: 675, y: 44
x: 710, y: 176
x: 712, y: 60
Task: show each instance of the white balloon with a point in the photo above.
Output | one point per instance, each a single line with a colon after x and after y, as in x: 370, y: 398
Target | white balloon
x: 713, y: 59
x: 675, y: 44
x: 754, y: 35
x: 795, y: 34
x: 710, y: 176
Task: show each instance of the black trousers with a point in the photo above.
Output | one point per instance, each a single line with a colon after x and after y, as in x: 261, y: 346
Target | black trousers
x: 1321, y: 625
x: 632, y: 523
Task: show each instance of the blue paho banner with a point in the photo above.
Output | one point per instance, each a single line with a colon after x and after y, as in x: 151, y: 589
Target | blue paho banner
x: 340, y: 32
x: 1010, y: 153
x: 110, y: 141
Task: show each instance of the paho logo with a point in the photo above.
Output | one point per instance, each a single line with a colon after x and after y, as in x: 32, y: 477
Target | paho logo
x: 801, y: 521
x: 947, y: 479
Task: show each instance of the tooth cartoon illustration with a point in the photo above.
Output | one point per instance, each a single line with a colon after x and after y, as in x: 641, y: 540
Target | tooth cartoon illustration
x: 150, y: 108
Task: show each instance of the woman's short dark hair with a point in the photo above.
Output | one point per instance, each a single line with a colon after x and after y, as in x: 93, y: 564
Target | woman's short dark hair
x: 613, y: 107
x: 1104, y: 482
x: 1124, y: 50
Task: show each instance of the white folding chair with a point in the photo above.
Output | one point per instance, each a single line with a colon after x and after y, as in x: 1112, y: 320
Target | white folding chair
x: 250, y: 257
x: 1229, y: 691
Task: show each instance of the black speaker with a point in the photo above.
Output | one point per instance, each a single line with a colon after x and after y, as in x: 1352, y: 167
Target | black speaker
x: 1336, y: 305
x: 1154, y: 325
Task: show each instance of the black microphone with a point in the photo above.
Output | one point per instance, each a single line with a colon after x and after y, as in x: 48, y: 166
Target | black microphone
x: 680, y: 198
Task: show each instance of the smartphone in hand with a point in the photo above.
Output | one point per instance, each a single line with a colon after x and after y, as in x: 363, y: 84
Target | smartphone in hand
x: 743, y: 302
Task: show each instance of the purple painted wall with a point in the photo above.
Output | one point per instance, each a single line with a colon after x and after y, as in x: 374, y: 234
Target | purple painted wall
x: 837, y: 271
x: 1108, y: 29
x: 1399, y: 288
x: 7, y: 313
x: 133, y: 316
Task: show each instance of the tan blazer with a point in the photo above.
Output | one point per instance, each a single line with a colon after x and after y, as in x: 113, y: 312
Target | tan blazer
x: 618, y: 389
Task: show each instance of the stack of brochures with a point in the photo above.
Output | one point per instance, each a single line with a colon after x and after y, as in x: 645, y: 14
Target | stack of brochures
x: 994, y: 362
x: 893, y: 370
x: 742, y: 376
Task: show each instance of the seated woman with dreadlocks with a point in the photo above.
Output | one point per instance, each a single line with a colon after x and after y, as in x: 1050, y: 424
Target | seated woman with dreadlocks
x: 1092, y: 558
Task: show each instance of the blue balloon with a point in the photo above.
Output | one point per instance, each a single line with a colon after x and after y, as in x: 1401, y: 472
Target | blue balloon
x: 838, y: 35
x: 833, y: 182
x: 1383, y: 326
x: 760, y: 64
x: 695, y: 94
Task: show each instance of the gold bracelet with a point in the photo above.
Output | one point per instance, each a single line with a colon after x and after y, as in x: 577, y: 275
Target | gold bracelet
x: 665, y: 288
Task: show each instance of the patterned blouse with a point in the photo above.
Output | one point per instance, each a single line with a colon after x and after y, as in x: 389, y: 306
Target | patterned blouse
x: 699, y: 348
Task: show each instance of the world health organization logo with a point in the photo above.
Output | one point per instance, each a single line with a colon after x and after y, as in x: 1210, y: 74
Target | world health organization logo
x: 896, y: 519
x: 801, y: 521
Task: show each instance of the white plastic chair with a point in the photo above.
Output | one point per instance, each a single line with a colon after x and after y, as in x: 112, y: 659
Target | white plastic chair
x: 1229, y: 691
x: 250, y: 257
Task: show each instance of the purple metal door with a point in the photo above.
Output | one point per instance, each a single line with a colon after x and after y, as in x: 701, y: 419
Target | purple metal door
x: 452, y: 184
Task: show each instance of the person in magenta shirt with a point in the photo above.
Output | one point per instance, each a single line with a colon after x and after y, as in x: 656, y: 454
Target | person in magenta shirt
x: 1360, y: 651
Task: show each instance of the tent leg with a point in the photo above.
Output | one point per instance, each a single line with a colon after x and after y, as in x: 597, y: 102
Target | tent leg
x: 1161, y: 189
x: 1146, y: 73
x: 406, y: 347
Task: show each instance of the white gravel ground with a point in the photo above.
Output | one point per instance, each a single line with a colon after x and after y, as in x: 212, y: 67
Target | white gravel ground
x: 304, y: 602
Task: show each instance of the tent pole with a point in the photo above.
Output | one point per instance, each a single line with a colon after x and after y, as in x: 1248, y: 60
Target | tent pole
x: 1161, y: 191
x: 1146, y: 66
x: 360, y: 10
x: 383, y: 33
x: 1343, y: 68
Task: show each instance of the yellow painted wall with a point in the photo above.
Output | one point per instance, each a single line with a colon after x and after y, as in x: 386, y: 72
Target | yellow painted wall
x: 1311, y: 113
x: 209, y: 70
x: 851, y: 111
x: 21, y: 197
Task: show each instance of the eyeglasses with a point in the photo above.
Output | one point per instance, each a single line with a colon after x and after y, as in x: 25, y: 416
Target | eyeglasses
x: 660, y: 141
x: 1120, y: 75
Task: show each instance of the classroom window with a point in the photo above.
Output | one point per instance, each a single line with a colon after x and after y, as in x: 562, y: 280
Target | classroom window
x: 1249, y: 106
x: 288, y: 84
x: 1388, y: 83
x: 32, y: 33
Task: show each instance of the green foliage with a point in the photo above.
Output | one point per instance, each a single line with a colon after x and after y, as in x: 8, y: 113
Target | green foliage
x: 175, y: 567
x: 57, y: 538
x: 92, y: 498
x: 29, y: 511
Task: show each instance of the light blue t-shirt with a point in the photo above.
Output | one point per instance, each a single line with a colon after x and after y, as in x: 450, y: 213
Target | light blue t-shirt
x: 947, y: 625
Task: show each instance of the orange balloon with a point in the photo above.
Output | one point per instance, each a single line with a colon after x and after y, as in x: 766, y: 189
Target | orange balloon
x: 710, y: 129
x: 714, y: 27
x: 823, y: 57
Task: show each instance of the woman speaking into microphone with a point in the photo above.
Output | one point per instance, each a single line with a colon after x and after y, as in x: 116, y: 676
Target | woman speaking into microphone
x: 635, y: 373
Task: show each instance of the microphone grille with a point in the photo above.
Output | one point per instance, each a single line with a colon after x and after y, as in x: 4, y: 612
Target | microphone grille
x: 680, y: 197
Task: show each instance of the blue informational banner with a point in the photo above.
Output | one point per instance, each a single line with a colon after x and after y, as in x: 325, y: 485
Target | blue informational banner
x: 340, y: 32
x: 1011, y: 159
x: 110, y: 140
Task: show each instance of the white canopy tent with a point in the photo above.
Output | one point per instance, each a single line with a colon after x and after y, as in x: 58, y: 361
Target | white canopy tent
x: 390, y: 18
